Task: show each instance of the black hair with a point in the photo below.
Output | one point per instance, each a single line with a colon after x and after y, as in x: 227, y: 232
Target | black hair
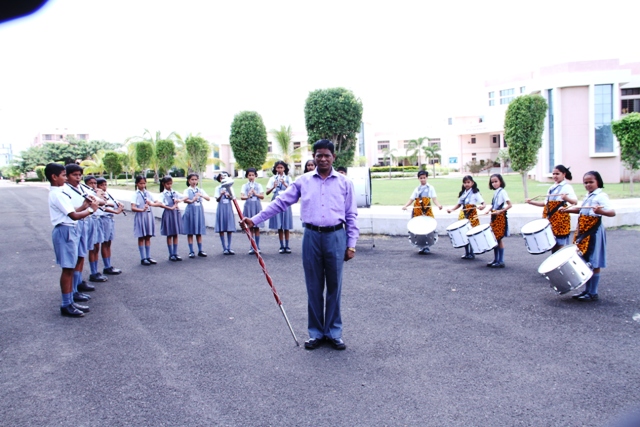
x: 140, y: 178
x: 89, y: 178
x: 280, y: 162
x: 425, y: 173
x: 190, y: 176
x: 246, y: 173
x: 313, y: 162
x: 164, y: 180
x: 597, y: 176
x: 341, y: 169
x: 474, y: 189
x: 53, y: 169
x: 565, y: 171
x: 502, y: 183
x: 323, y: 143
x: 100, y: 181
x: 73, y: 167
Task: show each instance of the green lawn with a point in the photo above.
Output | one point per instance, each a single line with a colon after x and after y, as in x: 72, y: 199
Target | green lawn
x: 396, y: 192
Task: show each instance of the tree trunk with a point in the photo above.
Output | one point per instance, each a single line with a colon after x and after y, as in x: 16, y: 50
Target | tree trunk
x: 524, y: 184
x: 631, y: 182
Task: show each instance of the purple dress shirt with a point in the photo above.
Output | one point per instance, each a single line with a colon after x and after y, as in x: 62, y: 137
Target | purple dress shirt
x: 323, y: 203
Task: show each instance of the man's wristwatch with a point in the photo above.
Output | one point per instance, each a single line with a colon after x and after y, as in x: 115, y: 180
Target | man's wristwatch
x: 351, y: 249
x: 90, y: 210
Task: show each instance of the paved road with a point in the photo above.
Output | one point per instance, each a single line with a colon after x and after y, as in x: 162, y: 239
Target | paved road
x: 432, y: 340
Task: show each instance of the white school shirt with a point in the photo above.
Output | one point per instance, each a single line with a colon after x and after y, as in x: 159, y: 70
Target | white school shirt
x: 280, y: 187
x: 560, y: 188
x: 76, y: 194
x: 470, y: 198
x: 224, y: 199
x: 424, y: 191
x: 597, y: 198
x: 246, y: 188
x: 499, y: 198
x: 138, y: 199
x: 169, y: 196
x: 191, y: 192
x: 60, y: 206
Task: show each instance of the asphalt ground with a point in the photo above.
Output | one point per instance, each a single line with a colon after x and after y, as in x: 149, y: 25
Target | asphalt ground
x: 431, y: 340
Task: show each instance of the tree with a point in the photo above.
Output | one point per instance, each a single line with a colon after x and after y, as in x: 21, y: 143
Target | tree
x: 112, y: 163
x: 415, y: 147
x: 389, y: 153
x: 128, y: 161
x: 40, y: 173
x: 144, y: 154
x: 198, y: 150
x: 523, y: 127
x: 147, y: 136
x: 334, y: 114
x: 503, y: 158
x: 431, y: 152
x: 165, y: 154
x: 285, y: 152
x: 95, y: 165
x: 627, y: 131
x: 249, y: 140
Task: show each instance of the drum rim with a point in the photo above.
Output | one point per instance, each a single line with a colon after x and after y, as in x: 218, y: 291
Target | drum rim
x: 422, y: 218
x: 537, y: 231
x: 481, y: 228
x: 566, y: 249
x: 464, y: 222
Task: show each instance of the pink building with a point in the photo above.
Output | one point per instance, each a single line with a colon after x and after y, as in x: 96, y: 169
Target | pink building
x: 583, y: 97
x: 58, y: 135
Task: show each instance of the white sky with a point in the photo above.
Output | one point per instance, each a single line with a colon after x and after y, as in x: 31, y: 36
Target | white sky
x: 113, y: 68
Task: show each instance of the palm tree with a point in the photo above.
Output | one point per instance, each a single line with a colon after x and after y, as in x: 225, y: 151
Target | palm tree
x: 285, y: 152
x: 431, y: 152
x: 94, y: 166
x: 389, y: 153
x: 415, y: 147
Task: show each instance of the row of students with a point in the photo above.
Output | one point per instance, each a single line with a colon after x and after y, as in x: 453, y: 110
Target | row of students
x: 77, y: 232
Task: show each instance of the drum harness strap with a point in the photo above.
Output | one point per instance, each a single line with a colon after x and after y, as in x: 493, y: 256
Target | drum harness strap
x: 552, y: 210
x: 587, y: 227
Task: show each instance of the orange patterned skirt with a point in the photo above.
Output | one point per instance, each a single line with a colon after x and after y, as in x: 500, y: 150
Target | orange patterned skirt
x: 499, y: 225
x: 587, y: 226
x: 422, y: 206
x: 471, y: 215
x: 560, y: 221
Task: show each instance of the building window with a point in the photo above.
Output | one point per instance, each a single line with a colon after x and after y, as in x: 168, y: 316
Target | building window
x: 269, y: 148
x: 383, y: 145
x: 473, y: 140
x: 522, y: 89
x: 450, y: 121
x: 506, y: 96
x: 506, y: 92
x: 505, y: 101
x: 406, y: 143
x: 630, y: 106
x: 492, y: 103
x: 495, y: 139
x: 632, y: 91
x: 48, y: 137
x: 603, y: 110
x: 83, y: 136
x: 296, y: 145
x: 491, y: 95
x: 551, y: 126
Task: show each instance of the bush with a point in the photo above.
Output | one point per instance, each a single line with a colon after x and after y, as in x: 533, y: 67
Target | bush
x: 40, y: 172
x: 381, y: 169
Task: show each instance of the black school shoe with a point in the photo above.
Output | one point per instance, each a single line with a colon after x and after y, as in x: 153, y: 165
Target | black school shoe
x: 313, y: 343
x: 82, y: 308
x: 80, y: 297
x: 95, y: 278
x: 70, y: 311
x: 85, y: 287
x: 145, y: 262
x: 152, y: 261
x: 112, y: 271
x: 202, y: 254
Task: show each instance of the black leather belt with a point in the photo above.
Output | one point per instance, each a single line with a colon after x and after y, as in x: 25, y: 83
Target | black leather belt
x: 325, y: 229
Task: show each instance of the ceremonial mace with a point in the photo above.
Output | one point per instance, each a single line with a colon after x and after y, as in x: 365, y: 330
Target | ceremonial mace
x: 226, y: 184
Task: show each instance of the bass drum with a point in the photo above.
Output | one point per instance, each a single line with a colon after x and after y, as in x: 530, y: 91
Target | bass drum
x: 361, y: 178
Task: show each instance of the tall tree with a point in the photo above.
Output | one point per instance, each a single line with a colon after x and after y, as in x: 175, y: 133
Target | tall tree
x: 334, y: 114
x: 249, y: 140
x: 390, y: 154
x: 144, y: 154
x: 112, y: 164
x: 94, y: 165
x: 431, y: 152
x: 414, y: 149
x: 523, y: 127
x: 198, y: 152
x: 283, y: 138
x: 627, y: 131
x: 165, y: 154
x: 148, y: 136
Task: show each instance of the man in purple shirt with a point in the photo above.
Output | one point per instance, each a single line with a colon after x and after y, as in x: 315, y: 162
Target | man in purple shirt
x: 328, y: 206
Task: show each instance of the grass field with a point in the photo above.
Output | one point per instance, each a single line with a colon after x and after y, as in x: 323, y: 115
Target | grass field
x: 396, y: 192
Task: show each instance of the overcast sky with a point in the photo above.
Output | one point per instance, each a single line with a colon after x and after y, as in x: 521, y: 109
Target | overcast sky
x: 113, y: 68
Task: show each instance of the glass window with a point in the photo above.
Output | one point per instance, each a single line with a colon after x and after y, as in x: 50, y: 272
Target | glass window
x: 491, y: 94
x: 522, y: 89
x: 603, y: 111
x: 492, y: 103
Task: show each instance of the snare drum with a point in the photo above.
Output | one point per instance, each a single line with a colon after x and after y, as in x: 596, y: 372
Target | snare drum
x: 538, y: 236
x: 482, y: 239
x: 566, y: 270
x: 458, y: 233
x: 422, y: 231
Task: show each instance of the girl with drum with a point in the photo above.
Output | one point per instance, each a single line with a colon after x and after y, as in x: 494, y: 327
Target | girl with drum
x: 560, y: 194
x: 283, y: 222
x: 500, y: 204
x: 422, y: 198
x: 470, y: 200
x: 590, y: 236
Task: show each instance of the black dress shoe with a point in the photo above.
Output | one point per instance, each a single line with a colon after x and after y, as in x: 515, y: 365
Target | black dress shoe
x: 70, y: 311
x: 145, y: 262
x: 173, y: 258
x: 287, y: 250
x: 96, y: 278
x: 178, y: 258
x: 337, y: 343
x: 580, y: 295
x: 588, y: 297
x: 192, y: 255
x: 85, y: 287
x: 490, y: 264
x: 112, y: 271
x: 281, y: 250
x: 226, y: 252
x: 231, y: 252
x: 152, y: 261
x: 202, y: 254
x: 82, y: 308
x: 497, y: 265
x: 468, y: 256
x: 313, y: 343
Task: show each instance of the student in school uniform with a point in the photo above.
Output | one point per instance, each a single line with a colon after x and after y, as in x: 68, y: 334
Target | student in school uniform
x: 426, y: 197
x: 500, y: 204
x: 66, y: 234
x: 560, y: 194
x: 470, y: 200
x: 193, y: 218
x: 225, y: 222
x: 171, y: 223
x: 590, y: 236
x: 96, y: 235
x: 85, y: 225
x: 252, y: 194
x: 283, y: 221
x: 113, y: 207
x: 144, y: 224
